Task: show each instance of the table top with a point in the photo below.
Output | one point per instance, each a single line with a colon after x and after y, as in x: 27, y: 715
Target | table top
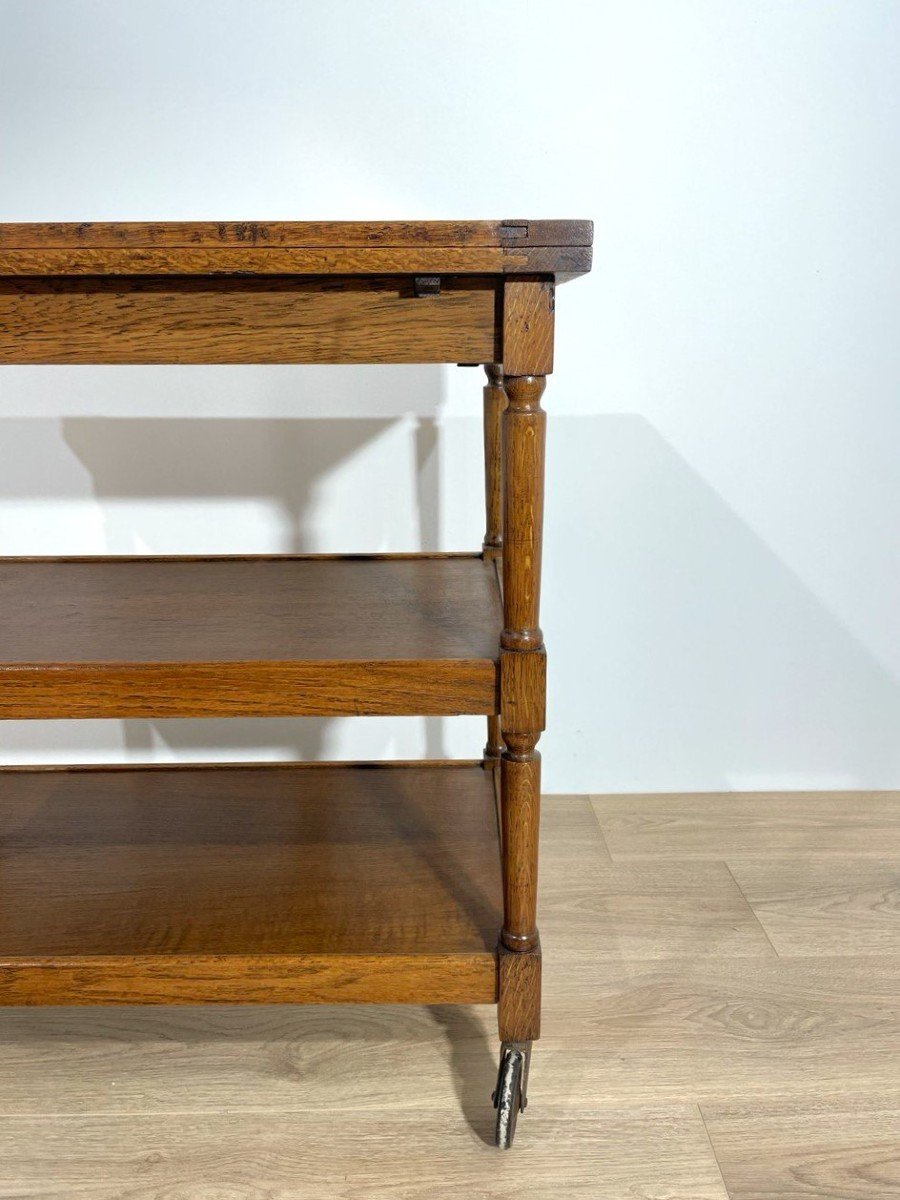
x: 547, y: 247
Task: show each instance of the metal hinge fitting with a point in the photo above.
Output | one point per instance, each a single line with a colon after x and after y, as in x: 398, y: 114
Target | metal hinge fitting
x: 427, y: 285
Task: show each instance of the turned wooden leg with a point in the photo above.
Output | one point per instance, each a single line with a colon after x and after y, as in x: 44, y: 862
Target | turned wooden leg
x: 522, y: 688
x: 494, y: 404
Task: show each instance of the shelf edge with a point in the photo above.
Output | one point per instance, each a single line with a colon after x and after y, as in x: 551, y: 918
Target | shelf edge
x: 469, y: 978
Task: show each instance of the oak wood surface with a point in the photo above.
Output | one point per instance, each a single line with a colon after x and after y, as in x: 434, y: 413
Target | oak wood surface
x: 524, y: 433
x: 493, y: 404
x: 563, y: 262
x: 179, y: 319
x: 109, y: 234
x: 522, y: 686
x: 838, y: 1151
x: 749, y: 825
x: 364, y: 882
x: 810, y: 909
x: 645, y: 911
x: 707, y: 1029
x: 558, y: 248
x: 248, y: 636
x: 357, y: 1155
x: 528, y: 327
x: 306, y: 978
x: 519, y: 979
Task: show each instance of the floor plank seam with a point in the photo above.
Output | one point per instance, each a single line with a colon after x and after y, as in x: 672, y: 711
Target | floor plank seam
x: 712, y: 1150
x: 765, y: 932
x: 591, y: 796
x: 603, y: 842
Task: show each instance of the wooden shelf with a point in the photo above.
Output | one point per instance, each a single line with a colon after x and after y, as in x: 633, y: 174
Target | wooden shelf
x: 268, y: 883
x: 249, y: 636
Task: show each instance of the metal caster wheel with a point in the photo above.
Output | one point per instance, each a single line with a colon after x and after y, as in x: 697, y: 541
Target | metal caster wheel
x: 510, y: 1094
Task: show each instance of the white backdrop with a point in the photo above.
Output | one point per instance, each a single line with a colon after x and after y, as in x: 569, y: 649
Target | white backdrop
x: 722, y: 567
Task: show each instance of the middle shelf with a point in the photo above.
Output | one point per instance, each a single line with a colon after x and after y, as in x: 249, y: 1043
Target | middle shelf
x: 250, y: 636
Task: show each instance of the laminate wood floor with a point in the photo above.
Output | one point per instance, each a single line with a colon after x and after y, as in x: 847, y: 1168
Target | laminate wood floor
x: 722, y: 1019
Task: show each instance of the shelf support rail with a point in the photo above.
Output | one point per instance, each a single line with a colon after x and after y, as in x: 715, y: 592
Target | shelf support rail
x: 492, y: 547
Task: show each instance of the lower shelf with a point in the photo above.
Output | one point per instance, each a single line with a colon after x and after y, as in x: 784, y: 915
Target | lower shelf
x: 268, y: 883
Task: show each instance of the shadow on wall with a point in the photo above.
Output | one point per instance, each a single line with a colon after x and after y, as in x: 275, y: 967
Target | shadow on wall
x: 172, y: 484
x: 685, y: 654
x: 278, y: 461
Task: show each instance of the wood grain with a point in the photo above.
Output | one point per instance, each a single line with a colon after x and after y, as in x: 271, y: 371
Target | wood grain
x: 669, y: 910
x: 528, y: 321
x: 520, y: 789
x: 494, y: 402
x: 248, y: 636
x: 616, y: 1034
x: 810, y: 908
x: 524, y: 434
x: 839, y: 1151
x: 355, y: 978
x: 248, y: 234
x: 575, y: 845
x: 659, y: 1155
x: 523, y: 687
x: 519, y: 1015
x: 300, y: 883
x: 706, y: 1027
x: 734, y: 825
x: 553, y: 248
x: 248, y: 320
x: 559, y: 262
x: 326, y: 688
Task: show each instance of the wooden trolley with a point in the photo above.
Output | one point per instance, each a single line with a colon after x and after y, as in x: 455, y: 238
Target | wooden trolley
x: 288, y: 883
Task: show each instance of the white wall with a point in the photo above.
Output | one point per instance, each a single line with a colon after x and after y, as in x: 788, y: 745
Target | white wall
x: 722, y: 554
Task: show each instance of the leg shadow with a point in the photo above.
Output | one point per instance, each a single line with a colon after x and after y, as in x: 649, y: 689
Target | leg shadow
x: 473, y: 1065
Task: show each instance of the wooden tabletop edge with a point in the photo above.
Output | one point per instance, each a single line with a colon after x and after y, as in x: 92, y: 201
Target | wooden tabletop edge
x: 257, y: 235
x: 425, y: 764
